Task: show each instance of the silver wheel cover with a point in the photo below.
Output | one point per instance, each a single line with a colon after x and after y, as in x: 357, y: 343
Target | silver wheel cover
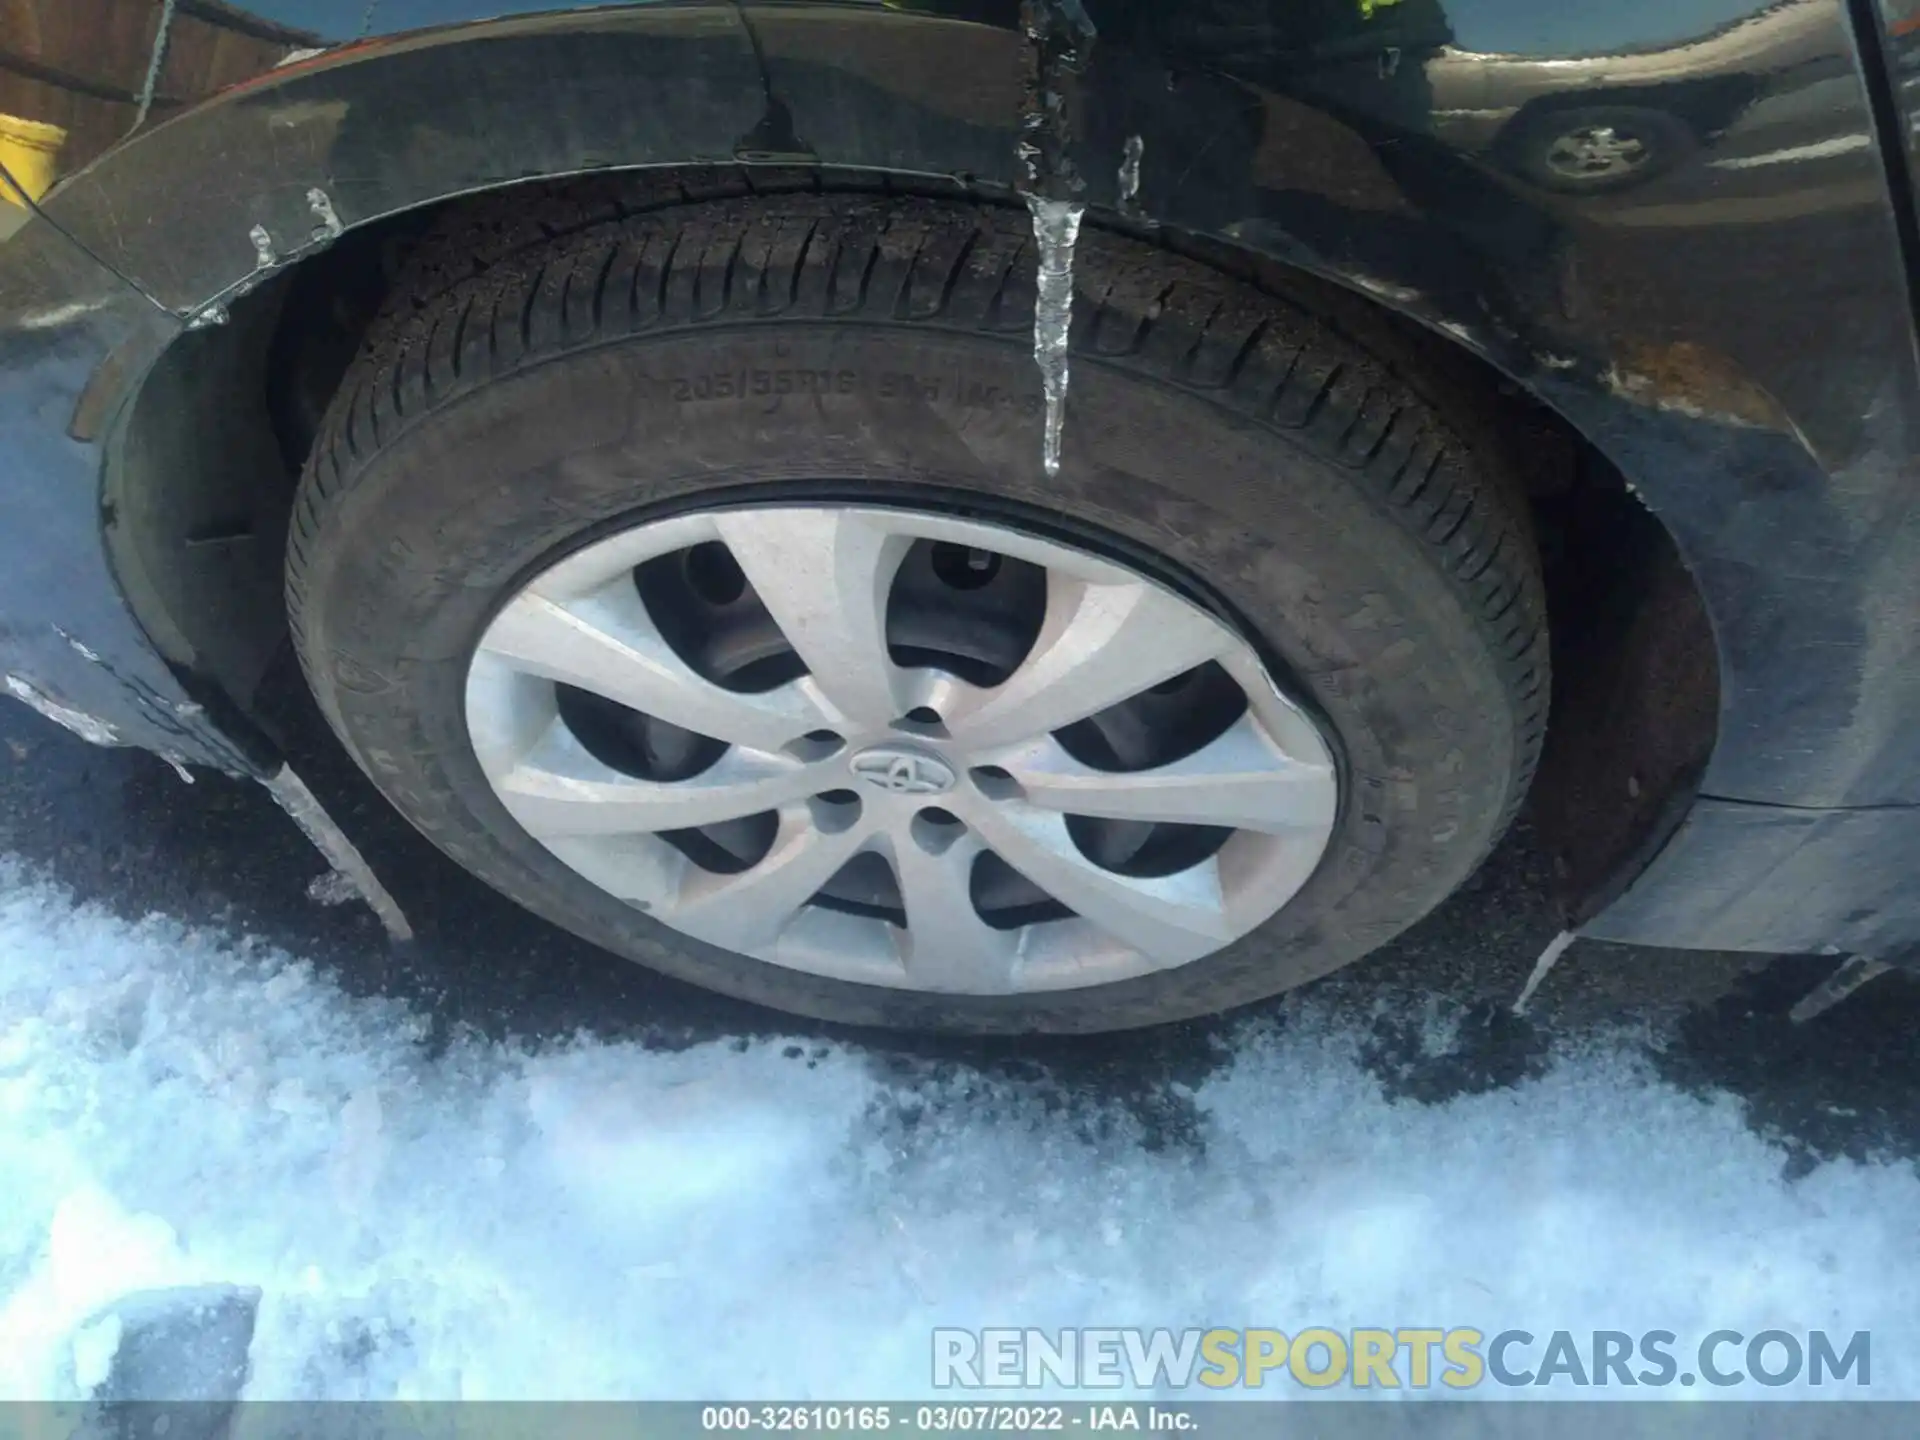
x: 1594, y: 152
x: 993, y: 764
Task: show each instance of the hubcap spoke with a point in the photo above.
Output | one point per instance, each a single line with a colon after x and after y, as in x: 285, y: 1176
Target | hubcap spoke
x: 606, y: 642
x: 1241, y: 780
x: 825, y: 575
x: 640, y: 869
x: 946, y: 946
x: 1098, y: 645
x: 560, y: 789
x: 1171, y: 919
x: 748, y: 911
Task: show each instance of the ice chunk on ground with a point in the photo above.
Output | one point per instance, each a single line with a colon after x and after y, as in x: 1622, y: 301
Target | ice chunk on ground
x: 188, y: 1343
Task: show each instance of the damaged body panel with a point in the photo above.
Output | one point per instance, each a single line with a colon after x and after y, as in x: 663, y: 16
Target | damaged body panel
x: 1672, y: 227
x: 69, y: 644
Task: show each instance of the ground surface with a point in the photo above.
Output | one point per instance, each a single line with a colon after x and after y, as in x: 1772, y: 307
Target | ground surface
x: 499, y: 1162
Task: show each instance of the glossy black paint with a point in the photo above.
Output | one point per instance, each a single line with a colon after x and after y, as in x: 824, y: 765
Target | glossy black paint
x: 1731, y: 327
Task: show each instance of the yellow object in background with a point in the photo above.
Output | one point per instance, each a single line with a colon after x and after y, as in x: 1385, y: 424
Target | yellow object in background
x: 29, y: 150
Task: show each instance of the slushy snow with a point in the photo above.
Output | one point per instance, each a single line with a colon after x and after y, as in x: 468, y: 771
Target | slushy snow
x: 582, y: 1219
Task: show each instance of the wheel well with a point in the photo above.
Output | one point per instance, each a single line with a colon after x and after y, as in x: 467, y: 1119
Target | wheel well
x: 1708, y: 104
x: 201, y: 484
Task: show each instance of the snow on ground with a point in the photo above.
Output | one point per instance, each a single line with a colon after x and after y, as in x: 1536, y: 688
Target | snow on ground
x: 586, y: 1219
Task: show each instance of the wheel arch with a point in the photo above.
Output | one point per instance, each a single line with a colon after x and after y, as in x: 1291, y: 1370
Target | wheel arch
x: 1706, y: 105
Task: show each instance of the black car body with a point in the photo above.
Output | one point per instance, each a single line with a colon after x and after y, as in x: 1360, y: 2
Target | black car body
x: 1709, y: 302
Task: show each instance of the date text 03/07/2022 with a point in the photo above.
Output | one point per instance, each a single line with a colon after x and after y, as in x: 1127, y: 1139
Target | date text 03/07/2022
x: 935, y: 1419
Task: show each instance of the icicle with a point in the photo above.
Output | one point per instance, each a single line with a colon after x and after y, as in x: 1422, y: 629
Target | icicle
x: 1056, y: 226
x: 1549, y: 957
x: 1854, y: 972
x: 1060, y: 36
x: 1130, y: 156
x: 290, y: 792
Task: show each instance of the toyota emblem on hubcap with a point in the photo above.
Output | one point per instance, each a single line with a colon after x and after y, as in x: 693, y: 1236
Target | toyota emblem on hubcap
x: 903, y: 772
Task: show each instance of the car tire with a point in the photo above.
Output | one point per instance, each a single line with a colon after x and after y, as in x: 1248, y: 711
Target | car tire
x: 521, y: 404
x: 1594, y: 149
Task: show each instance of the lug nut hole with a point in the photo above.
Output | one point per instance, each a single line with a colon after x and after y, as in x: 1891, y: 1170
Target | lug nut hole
x: 713, y: 574
x: 962, y: 567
